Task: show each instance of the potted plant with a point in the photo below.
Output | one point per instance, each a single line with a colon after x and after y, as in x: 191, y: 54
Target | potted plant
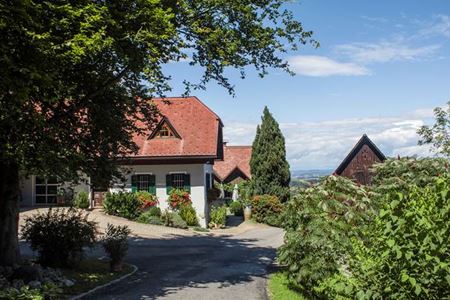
x: 115, y: 243
x: 247, y: 209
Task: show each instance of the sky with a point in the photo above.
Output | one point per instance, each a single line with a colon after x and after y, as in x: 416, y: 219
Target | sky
x: 381, y: 68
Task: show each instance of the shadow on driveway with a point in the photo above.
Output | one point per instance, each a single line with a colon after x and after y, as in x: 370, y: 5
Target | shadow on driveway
x: 199, y: 267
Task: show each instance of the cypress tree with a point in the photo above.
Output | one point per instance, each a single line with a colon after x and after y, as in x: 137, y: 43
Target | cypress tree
x: 268, y: 164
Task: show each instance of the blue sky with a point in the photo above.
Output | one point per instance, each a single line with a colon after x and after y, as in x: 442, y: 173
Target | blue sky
x: 381, y: 68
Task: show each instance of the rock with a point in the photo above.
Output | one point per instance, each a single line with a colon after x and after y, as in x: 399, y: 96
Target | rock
x: 68, y: 282
x: 35, y: 284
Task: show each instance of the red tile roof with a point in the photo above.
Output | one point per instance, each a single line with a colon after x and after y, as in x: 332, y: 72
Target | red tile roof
x: 199, y: 128
x: 233, y: 157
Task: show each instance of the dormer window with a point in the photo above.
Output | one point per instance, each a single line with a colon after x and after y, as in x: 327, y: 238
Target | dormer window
x: 164, y: 132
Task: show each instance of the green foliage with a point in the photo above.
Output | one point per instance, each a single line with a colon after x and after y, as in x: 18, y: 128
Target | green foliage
x: 115, y: 242
x: 267, y: 209
x: 438, y: 135
x: 122, y: 204
x: 81, y: 200
x: 406, y: 253
x: 269, y: 167
x: 189, y: 215
x: 320, y: 223
x: 218, y: 217
x: 47, y: 291
x: 59, y: 236
x: 173, y: 219
x: 154, y: 211
x: 236, y: 208
x: 280, y: 288
x: 178, y: 198
x: 397, y: 175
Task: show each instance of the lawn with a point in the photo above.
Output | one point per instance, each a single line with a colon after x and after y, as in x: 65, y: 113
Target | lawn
x: 280, y: 289
x: 90, y: 274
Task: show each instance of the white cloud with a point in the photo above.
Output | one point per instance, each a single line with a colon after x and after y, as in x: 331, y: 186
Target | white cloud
x: 439, y: 26
x: 385, y: 51
x: 318, y: 66
x: 323, y: 145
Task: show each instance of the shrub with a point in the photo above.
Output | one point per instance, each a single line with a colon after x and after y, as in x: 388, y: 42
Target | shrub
x: 236, y: 208
x: 81, y: 200
x: 189, y: 215
x: 154, y: 211
x: 178, y: 198
x: 406, y: 253
x: 59, y: 236
x: 122, y: 204
x: 173, y: 219
x: 149, y: 217
x: 147, y: 200
x: 115, y: 244
x: 267, y: 209
x: 218, y: 217
x: 320, y: 223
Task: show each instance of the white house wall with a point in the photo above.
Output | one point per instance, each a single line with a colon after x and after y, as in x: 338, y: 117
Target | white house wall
x: 198, y: 181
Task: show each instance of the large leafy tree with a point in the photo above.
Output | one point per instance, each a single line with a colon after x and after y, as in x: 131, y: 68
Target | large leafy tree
x: 268, y: 164
x: 438, y: 135
x: 75, y: 76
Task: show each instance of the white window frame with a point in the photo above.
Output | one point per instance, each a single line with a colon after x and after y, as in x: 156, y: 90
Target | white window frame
x: 45, y: 184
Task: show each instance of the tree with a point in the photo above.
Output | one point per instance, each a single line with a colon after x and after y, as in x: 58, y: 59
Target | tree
x: 72, y: 90
x: 438, y: 135
x: 268, y: 164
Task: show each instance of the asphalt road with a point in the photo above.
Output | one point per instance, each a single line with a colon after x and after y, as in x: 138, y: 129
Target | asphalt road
x: 199, y: 267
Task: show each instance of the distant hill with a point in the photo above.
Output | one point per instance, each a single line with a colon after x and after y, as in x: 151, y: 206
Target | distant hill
x: 304, y: 178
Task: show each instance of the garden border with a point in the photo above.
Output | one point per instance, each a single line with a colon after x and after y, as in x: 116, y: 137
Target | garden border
x: 80, y: 296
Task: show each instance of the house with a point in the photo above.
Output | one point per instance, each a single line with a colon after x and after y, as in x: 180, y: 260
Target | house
x: 235, y: 165
x: 358, y: 162
x: 178, y: 153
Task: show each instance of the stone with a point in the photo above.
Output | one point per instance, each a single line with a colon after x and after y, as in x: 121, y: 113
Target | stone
x: 68, y: 282
x: 35, y: 284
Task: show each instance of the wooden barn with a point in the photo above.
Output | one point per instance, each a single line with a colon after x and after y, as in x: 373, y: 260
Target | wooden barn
x: 358, y: 162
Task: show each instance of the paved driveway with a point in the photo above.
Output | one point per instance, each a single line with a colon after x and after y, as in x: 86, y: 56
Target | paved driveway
x: 229, y: 264
x: 199, y: 267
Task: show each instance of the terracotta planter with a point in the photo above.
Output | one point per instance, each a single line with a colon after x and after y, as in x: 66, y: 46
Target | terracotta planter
x: 247, y: 213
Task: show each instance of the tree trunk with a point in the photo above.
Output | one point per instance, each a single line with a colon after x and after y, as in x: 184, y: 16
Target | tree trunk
x: 9, y: 212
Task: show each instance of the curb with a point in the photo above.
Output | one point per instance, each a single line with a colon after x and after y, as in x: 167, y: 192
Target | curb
x: 106, y: 284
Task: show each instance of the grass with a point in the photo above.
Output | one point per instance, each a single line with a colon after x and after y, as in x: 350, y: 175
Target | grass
x: 281, y: 289
x: 90, y: 274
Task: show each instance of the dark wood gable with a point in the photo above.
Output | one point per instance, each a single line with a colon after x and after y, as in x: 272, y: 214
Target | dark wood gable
x: 358, y: 162
x: 164, y: 129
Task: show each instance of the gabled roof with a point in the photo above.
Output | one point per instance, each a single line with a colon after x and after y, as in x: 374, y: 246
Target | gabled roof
x: 363, y: 141
x: 234, y: 157
x: 198, y: 130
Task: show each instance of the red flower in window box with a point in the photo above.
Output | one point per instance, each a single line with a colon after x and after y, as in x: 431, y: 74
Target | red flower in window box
x: 178, y: 198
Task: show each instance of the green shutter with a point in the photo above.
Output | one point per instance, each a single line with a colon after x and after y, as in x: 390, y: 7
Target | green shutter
x: 187, y: 183
x: 168, y: 183
x: 133, y: 183
x: 152, y: 184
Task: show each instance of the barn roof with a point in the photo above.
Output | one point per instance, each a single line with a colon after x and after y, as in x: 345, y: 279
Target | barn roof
x: 365, y: 140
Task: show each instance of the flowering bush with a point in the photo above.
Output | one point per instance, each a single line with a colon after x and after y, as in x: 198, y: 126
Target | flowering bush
x: 147, y: 200
x: 178, y: 198
x: 266, y: 209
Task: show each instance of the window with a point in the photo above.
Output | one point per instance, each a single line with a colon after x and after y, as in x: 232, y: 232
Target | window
x: 164, y: 132
x: 178, y: 181
x: 46, y: 190
x: 208, y: 181
x: 143, y: 182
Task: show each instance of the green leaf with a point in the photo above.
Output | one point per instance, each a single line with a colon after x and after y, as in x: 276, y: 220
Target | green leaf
x: 390, y: 243
x: 405, y: 277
